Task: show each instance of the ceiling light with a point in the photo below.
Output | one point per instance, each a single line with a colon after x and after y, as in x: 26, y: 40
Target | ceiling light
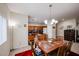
x: 50, y: 16
x: 12, y: 23
x: 54, y: 21
x: 45, y: 21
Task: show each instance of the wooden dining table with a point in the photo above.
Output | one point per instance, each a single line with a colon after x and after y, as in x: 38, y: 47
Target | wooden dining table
x: 47, y: 47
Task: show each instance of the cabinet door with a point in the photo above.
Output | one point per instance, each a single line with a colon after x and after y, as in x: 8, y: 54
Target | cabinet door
x: 69, y: 35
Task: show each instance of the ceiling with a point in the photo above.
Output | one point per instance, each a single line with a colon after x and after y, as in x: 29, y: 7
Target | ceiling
x: 40, y: 11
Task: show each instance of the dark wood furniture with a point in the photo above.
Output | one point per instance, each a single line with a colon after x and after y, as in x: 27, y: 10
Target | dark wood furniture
x: 69, y: 35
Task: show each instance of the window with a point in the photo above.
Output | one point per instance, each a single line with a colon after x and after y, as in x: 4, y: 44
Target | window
x: 3, y: 30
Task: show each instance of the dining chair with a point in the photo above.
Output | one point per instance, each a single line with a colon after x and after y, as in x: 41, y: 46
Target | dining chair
x: 42, y: 37
x: 65, y: 49
x: 31, y: 40
x: 61, y: 50
x: 69, y: 45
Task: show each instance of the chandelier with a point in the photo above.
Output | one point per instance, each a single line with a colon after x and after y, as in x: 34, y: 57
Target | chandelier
x: 50, y: 17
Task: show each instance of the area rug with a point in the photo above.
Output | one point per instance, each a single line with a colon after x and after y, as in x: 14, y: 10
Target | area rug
x: 73, y: 54
x: 25, y: 53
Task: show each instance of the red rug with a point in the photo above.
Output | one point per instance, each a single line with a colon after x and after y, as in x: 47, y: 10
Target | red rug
x: 25, y: 53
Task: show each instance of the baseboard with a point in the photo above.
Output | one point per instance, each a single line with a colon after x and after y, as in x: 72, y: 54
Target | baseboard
x: 11, y: 50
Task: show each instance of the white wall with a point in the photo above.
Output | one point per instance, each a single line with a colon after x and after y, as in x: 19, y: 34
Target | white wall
x: 63, y: 25
x: 20, y: 33
x: 51, y: 31
x: 5, y: 47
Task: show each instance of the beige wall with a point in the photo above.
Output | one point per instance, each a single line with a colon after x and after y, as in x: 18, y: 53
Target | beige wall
x: 63, y: 26
x: 20, y: 33
x: 5, y: 47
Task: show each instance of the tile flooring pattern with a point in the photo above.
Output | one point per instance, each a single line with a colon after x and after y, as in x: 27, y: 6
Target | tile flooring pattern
x: 15, y: 51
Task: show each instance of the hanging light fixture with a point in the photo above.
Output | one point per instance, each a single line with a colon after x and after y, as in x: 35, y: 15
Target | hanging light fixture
x: 54, y: 21
x: 45, y: 21
x: 50, y: 17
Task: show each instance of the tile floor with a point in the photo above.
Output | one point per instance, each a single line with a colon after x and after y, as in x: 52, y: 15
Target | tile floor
x: 15, y: 51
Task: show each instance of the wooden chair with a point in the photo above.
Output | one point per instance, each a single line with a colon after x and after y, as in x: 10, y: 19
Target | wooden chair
x: 31, y: 40
x: 31, y: 37
x: 65, y: 49
x: 60, y: 38
x: 69, y: 45
x: 61, y: 50
x: 42, y: 37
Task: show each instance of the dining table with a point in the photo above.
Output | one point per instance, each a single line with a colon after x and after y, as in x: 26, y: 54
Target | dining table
x: 47, y: 46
